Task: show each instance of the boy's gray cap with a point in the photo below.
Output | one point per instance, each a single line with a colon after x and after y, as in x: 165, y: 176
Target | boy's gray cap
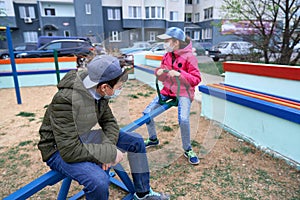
x: 173, y: 32
x: 101, y: 69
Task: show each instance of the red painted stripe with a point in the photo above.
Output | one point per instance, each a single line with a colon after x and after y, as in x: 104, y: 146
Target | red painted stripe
x: 275, y: 71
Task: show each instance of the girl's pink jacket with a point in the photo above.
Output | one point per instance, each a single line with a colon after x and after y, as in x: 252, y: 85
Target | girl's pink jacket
x: 185, y: 63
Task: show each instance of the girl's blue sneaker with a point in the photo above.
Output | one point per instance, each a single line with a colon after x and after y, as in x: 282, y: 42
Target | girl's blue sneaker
x: 192, y: 157
x: 150, y: 142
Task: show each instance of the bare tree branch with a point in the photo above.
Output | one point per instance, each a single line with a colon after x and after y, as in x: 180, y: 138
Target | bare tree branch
x: 276, y: 23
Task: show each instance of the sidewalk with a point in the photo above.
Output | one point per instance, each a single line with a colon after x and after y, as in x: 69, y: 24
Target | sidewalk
x: 207, y: 79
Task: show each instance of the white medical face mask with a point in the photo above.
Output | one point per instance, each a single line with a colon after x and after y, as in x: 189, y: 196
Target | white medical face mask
x: 168, y: 47
x: 117, y: 92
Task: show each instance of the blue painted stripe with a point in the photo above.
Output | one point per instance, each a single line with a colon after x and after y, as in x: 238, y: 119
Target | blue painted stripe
x: 34, y: 72
x: 284, y: 112
x: 150, y: 71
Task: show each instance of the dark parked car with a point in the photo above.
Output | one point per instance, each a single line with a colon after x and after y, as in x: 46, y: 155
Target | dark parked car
x: 18, y: 49
x: 63, y: 47
x: 46, y: 39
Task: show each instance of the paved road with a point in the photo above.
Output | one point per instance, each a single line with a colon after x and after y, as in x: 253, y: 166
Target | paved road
x: 204, y: 59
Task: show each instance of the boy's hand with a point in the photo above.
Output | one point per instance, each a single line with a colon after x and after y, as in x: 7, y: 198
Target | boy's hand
x: 173, y: 73
x: 119, y: 158
x: 106, y: 166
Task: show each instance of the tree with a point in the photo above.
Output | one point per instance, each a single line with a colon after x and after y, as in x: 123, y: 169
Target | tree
x: 3, y: 19
x: 275, y: 24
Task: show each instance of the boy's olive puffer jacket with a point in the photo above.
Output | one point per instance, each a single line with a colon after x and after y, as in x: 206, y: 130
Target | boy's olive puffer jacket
x: 72, y: 113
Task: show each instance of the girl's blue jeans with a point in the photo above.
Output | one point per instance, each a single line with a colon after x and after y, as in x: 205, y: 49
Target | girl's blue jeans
x: 95, y: 180
x: 184, y: 107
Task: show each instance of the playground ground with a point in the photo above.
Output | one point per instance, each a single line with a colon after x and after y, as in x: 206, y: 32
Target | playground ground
x: 229, y: 168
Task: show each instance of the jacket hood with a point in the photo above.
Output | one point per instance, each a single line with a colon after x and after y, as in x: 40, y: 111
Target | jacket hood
x: 73, y: 80
x: 185, y: 50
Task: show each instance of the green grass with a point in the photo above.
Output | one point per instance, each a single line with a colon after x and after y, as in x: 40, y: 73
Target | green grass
x: 29, y: 115
x: 26, y: 114
x: 144, y: 95
x: 25, y: 143
x: 214, y: 68
x: 133, y: 96
x: 167, y: 128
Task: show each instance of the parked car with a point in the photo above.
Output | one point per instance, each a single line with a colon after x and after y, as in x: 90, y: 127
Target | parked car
x: 199, y: 49
x: 137, y: 46
x: 63, y: 47
x: 42, y: 40
x: 232, y: 49
x: 99, y: 48
x: 296, y: 48
x: 158, y: 49
x: 4, y: 54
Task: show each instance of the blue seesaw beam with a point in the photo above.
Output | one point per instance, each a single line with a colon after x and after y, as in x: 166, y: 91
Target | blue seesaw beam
x: 52, y: 177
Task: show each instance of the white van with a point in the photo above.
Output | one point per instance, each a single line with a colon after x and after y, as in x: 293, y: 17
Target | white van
x: 228, y: 49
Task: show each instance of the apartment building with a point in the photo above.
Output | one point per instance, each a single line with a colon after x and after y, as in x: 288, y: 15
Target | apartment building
x: 127, y: 21
x: 117, y: 22
x: 29, y: 19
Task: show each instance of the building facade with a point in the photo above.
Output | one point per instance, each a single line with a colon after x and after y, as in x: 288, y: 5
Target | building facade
x: 119, y: 23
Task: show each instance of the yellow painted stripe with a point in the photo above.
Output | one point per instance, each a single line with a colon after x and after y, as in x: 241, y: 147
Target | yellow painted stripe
x: 258, y: 96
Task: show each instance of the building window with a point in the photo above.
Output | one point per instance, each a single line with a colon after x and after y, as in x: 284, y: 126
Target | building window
x: 67, y: 33
x: 174, y: 15
x: 2, y: 8
x: 152, y: 36
x: 196, y: 35
x: 49, y: 33
x: 134, y: 12
x: 49, y: 11
x: 114, y: 36
x: 30, y: 37
x: 197, y: 17
x: 208, y: 13
x: 188, y: 17
x: 197, y: 1
x: 160, y: 12
x: 113, y: 14
x: 88, y: 9
x: 188, y: 1
x: 155, y: 12
x: 206, y: 33
x: 134, y: 36
x: 27, y: 12
x: 152, y: 12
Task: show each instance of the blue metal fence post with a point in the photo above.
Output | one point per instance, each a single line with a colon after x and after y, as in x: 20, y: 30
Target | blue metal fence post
x: 13, y: 64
